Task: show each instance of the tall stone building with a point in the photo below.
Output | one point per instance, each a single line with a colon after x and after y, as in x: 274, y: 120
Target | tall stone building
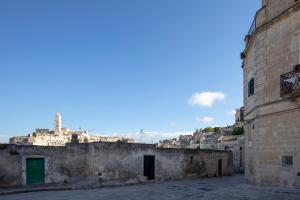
x: 57, y: 123
x: 272, y: 95
x: 239, y: 115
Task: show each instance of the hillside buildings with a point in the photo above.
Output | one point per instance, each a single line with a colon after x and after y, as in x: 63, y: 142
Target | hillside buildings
x: 230, y: 138
x: 210, y: 138
x: 61, y: 136
x: 271, y: 95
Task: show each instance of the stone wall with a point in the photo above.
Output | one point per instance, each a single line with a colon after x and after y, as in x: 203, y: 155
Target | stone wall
x: 273, y: 137
x: 109, y: 163
x: 276, y: 7
x: 61, y: 163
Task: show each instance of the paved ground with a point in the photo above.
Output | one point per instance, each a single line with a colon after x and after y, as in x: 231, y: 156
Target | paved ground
x: 227, y: 188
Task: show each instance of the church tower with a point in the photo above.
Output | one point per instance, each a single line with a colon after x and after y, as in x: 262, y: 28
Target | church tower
x: 57, y: 123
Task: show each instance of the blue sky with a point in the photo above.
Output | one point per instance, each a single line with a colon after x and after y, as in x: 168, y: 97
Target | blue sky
x: 118, y: 66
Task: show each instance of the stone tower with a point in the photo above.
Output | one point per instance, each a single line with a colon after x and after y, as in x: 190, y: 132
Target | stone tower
x: 57, y: 123
x: 271, y: 67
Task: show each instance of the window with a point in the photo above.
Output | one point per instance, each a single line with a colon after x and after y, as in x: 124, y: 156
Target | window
x: 251, y: 87
x: 287, y: 161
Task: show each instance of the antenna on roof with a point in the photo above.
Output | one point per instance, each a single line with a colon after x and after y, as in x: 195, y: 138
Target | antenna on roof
x: 141, y: 134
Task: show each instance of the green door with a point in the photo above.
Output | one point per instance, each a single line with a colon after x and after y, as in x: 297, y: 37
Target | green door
x: 35, y: 170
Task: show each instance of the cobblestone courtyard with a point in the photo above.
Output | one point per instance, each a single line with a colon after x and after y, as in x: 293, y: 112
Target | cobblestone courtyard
x: 214, y: 188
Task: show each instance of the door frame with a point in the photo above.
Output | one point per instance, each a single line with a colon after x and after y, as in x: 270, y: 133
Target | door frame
x: 220, y: 167
x: 35, y: 166
x: 153, y: 156
x: 46, y: 168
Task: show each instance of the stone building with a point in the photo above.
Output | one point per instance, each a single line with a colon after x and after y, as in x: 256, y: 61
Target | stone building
x: 210, y: 140
x: 271, y: 95
x: 239, y: 115
x: 61, y: 136
x: 98, y: 164
x: 169, y: 143
x: 199, y: 140
x: 185, y: 140
x: 236, y: 145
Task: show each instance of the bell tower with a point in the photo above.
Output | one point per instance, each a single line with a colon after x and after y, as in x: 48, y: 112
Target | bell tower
x: 57, y: 123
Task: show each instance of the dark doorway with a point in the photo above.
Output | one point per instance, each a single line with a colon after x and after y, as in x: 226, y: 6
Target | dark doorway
x: 241, y: 157
x: 149, y: 167
x: 35, y: 170
x: 220, y: 167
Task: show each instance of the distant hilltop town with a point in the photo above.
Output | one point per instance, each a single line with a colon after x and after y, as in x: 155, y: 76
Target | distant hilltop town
x: 61, y: 136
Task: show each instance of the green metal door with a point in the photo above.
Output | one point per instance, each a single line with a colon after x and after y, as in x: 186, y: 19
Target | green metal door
x: 35, y: 170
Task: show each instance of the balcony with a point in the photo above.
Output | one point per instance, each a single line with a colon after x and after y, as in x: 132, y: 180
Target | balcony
x: 290, y: 83
x: 248, y: 36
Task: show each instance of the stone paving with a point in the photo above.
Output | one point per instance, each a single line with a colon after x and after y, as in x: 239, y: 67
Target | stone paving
x: 226, y: 188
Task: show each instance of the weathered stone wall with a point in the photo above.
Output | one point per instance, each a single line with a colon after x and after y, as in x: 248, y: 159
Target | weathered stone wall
x: 109, y: 163
x: 273, y: 137
x: 272, y: 121
x: 205, y: 162
x: 276, y: 7
x: 10, y: 166
x: 61, y: 163
x: 121, y: 161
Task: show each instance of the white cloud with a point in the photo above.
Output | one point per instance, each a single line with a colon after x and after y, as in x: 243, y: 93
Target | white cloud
x: 205, y: 120
x: 172, y: 124
x: 206, y: 99
x: 232, y: 112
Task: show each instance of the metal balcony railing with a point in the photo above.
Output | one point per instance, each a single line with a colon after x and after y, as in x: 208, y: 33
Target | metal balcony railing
x: 253, y: 27
x: 290, y: 83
